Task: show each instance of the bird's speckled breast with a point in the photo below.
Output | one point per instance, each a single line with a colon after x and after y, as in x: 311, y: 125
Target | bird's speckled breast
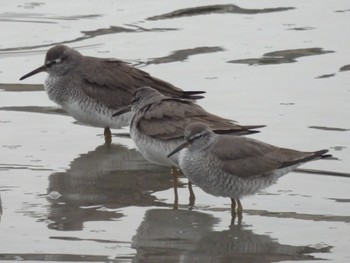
x: 206, y: 173
x: 59, y: 89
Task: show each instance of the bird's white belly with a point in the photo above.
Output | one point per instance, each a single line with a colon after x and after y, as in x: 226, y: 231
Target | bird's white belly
x: 97, y: 117
x: 153, y: 150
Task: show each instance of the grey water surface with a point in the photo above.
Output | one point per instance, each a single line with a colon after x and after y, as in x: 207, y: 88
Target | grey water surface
x: 66, y: 197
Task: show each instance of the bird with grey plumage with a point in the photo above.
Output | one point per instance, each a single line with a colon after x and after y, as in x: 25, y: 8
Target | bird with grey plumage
x: 91, y: 89
x: 234, y: 166
x: 159, y: 122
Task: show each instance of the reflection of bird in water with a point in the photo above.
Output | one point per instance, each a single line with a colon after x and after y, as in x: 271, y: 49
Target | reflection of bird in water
x: 188, y: 236
x: 242, y: 245
x: 108, y: 177
x: 171, y: 232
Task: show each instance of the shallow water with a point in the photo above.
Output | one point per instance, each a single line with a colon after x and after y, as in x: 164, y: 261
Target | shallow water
x: 67, y: 197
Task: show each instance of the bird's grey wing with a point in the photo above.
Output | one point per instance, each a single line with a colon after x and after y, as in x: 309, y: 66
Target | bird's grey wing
x: 165, y: 119
x: 113, y: 81
x: 109, y: 81
x: 191, y: 112
x: 247, y: 158
x: 168, y: 119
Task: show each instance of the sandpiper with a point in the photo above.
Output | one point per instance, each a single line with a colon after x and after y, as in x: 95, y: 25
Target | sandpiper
x: 234, y: 166
x: 91, y: 89
x: 159, y: 122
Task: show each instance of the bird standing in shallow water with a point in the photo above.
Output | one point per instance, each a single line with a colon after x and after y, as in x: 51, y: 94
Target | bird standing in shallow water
x: 159, y: 122
x: 91, y: 89
x: 233, y: 166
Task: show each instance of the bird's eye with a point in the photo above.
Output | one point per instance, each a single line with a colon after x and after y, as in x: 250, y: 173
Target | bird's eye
x: 49, y: 63
x: 52, y: 62
x: 58, y: 60
x: 195, y: 137
x: 133, y: 100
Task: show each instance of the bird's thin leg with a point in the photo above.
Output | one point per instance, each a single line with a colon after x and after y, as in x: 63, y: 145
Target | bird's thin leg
x: 239, y: 211
x: 239, y: 206
x: 174, y: 172
x: 233, y: 211
x: 192, y: 195
x: 233, y: 205
x: 108, y: 136
x: 236, y: 211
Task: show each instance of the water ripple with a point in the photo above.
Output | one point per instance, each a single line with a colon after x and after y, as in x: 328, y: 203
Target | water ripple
x: 217, y: 9
x: 282, y: 56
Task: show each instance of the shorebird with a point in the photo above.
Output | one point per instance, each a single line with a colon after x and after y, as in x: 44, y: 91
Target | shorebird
x: 91, y: 89
x: 159, y: 122
x: 234, y: 166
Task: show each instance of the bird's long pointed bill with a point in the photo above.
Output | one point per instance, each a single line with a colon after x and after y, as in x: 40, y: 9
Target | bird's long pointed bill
x: 178, y: 148
x: 122, y: 111
x: 35, y: 71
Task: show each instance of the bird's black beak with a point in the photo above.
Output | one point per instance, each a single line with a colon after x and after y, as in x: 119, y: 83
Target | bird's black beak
x: 122, y: 110
x: 178, y: 148
x: 35, y: 71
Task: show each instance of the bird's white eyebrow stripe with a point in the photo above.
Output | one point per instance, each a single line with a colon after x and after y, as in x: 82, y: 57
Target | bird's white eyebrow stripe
x: 197, y: 135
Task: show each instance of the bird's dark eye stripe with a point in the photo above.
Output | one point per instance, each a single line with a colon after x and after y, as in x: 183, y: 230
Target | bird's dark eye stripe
x: 196, y: 136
